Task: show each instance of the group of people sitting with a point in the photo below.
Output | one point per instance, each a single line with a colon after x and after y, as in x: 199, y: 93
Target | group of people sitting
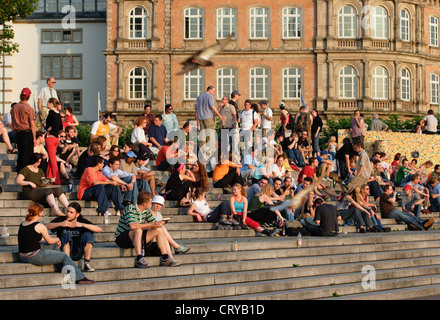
x: 109, y: 173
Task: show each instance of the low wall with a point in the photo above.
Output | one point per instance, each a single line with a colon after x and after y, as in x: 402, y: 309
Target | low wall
x: 403, y: 142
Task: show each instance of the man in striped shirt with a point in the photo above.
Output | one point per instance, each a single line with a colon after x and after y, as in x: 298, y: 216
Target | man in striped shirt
x: 134, y: 231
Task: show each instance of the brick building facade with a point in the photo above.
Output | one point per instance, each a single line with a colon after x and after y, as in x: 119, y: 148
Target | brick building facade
x: 378, y: 56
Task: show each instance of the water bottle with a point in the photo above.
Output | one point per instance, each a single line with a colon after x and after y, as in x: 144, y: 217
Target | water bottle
x: 283, y: 232
x: 299, y: 241
x: 5, y: 231
x: 70, y: 188
x: 235, y: 246
x: 106, y: 218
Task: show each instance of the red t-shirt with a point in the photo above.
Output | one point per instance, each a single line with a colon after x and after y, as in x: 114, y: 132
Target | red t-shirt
x: 308, y: 171
x: 89, y: 176
x: 161, y: 155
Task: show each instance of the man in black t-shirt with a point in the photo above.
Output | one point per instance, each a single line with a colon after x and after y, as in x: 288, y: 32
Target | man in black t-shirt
x: 76, y: 234
x: 326, y: 219
x: 343, y: 156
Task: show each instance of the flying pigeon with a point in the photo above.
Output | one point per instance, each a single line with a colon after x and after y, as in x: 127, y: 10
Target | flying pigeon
x: 297, y: 200
x: 203, y: 57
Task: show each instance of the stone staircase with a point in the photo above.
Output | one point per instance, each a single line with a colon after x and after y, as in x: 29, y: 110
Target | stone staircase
x: 406, y: 263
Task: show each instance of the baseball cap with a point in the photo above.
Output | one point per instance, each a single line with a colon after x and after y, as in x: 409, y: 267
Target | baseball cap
x: 159, y: 200
x: 263, y: 102
x: 26, y: 92
x: 235, y: 92
x: 408, y: 187
x: 131, y: 154
x: 323, y: 152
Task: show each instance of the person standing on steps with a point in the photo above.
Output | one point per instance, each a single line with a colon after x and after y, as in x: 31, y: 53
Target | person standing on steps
x: 23, y: 124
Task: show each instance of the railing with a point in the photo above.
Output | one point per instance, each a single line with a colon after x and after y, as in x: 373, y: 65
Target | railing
x: 348, y: 43
x: 348, y: 104
x: 380, y: 44
x: 381, y: 105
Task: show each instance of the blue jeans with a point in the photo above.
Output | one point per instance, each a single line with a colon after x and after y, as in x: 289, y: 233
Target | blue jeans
x: 58, y: 258
x: 77, y: 247
x: 315, y: 143
x: 405, y: 217
x: 143, y: 185
x: 102, y: 193
x: 295, y: 155
x: 361, y: 218
x: 222, y: 209
x: 405, y: 180
x: 131, y: 195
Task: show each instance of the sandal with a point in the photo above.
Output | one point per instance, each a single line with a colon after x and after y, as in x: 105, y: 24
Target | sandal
x: 185, y: 203
x: 12, y: 151
x: 181, y: 249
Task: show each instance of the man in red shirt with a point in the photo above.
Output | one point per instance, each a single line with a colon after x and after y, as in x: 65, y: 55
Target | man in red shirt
x: 309, y: 170
x: 23, y: 124
x: 95, y: 187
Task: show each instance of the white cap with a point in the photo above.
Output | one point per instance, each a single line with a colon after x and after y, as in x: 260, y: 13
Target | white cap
x: 159, y: 199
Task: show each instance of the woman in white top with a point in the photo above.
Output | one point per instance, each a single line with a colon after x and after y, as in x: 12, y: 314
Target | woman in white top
x: 278, y: 169
x: 201, y: 211
x: 139, y: 138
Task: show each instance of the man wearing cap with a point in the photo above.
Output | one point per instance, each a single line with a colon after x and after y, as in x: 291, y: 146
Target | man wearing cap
x: 23, y: 124
x: 45, y: 94
x: 128, y: 165
x: 411, y: 203
x: 235, y: 95
x: 266, y: 117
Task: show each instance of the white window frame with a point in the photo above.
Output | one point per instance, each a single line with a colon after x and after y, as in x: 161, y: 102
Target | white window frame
x: 135, y: 81
x: 348, y: 76
x: 292, y: 23
x: 292, y: 77
x: 138, y: 19
x: 259, y: 83
x: 380, y: 80
x: 404, y: 25
x: 191, y: 79
x: 380, y: 19
x: 226, y: 82
x: 434, y: 83
x: 259, y: 16
x: 433, y: 31
x: 347, y: 18
x: 223, y: 15
x: 193, y: 24
x: 405, y: 85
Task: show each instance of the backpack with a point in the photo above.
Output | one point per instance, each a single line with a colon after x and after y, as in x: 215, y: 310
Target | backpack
x: 291, y: 124
x: 303, y: 123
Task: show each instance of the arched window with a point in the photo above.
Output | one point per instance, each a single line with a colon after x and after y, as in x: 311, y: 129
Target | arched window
x: 226, y: 82
x: 292, y: 83
x: 348, y: 83
x: 380, y: 23
x: 138, y: 84
x: 291, y: 23
x: 405, y: 85
x: 138, y: 23
x: 404, y: 25
x: 347, y: 22
x: 380, y: 83
x: 259, y: 82
x: 259, y: 23
x: 193, y: 23
x: 225, y: 22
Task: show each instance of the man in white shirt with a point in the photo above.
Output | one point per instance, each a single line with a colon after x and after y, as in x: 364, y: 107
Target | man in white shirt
x: 45, y: 94
x: 431, y: 123
x: 248, y: 120
x: 266, y: 117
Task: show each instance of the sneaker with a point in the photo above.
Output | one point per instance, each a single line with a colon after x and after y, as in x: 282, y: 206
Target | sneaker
x: 88, y: 267
x: 225, y: 222
x: 272, y: 232
x: 103, y: 213
x: 427, y: 224
x: 234, y: 222
x: 140, y: 263
x: 170, y: 262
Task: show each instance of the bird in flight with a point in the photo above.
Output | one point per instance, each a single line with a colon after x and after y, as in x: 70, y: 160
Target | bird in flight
x: 203, y: 57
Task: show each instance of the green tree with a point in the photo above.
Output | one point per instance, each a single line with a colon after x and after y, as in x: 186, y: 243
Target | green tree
x: 10, y: 11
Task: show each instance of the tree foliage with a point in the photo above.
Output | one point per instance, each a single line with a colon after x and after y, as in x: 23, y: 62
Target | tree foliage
x: 10, y: 11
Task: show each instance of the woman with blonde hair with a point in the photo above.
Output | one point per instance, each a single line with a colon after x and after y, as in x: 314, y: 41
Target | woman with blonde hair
x: 30, y: 235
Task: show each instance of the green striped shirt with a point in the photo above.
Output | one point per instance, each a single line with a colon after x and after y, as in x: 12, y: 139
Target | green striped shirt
x: 132, y: 214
